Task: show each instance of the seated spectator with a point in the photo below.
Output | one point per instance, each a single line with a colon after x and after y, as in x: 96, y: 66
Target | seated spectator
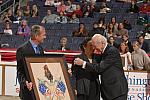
x: 133, y: 7
x: 18, y: 7
x: 127, y: 25
x: 115, y: 25
x: 49, y: 18
x: 121, y: 30
x: 63, y: 44
x: 49, y: 2
x: 101, y: 23
x: 109, y: 31
x: 145, y: 8
x: 81, y: 31
x: 19, y: 17
x: 27, y: 12
x: 61, y: 18
x: 140, y: 59
x: 7, y: 29
x: 88, y: 12
x: 10, y: 15
x: 74, y: 19
x: 62, y: 7
x: 34, y: 11
x: 78, y: 11
x: 111, y: 41
x: 23, y: 29
x: 126, y: 56
x: 104, y: 9
x: 6, y: 18
x: 57, y: 3
x: 96, y: 30
x: 143, y: 44
x: 125, y: 38
x: 70, y: 7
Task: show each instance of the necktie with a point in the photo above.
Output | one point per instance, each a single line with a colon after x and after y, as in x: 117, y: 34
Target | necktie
x: 37, y: 50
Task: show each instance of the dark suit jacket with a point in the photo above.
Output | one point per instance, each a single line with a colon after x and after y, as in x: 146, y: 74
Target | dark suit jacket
x: 84, y: 77
x: 66, y: 48
x: 113, y: 81
x: 145, y: 47
x: 22, y: 73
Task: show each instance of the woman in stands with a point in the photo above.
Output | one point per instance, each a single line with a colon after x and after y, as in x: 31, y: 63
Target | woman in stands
x: 126, y: 56
x: 8, y: 29
x: 87, y: 83
x: 140, y: 59
x: 111, y: 41
x: 34, y: 11
x: 81, y: 31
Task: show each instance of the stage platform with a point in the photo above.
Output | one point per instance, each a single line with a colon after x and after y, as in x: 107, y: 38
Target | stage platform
x: 9, y: 98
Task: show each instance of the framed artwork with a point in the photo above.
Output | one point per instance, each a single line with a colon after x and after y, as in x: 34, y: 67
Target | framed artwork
x: 49, y: 76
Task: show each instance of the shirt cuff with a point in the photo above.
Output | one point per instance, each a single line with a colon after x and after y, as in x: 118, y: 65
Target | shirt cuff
x: 84, y: 64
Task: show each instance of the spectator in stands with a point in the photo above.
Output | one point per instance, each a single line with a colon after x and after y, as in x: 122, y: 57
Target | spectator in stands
x: 57, y: 3
x: 27, y: 12
x: 145, y: 8
x: 125, y: 38
x: 49, y: 18
x: 62, y: 7
x: 78, y: 11
x: 23, y: 29
x: 127, y: 25
x: 49, y: 2
x: 143, y: 44
x: 74, y: 19
x: 34, y: 11
x: 96, y: 30
x: 8, y: 29
x: 104, y: 9
x: 101, y: 23
x: 109, y: 31
x: 133, y: 7
x: 126, y: 56
x: 111, y: 41
x: 81, y: 31
x: 10, y: 15
x: 115, y: 25
x: 121, y: 30
x: 88, y: 12
x: 19, y: 17
x: 87, y: 83
x: 140, y: 59
x: 70, y: 7
x: 18, y: 7
x: 6, y: 18
x: 61, y: 18
x: 63, y: 44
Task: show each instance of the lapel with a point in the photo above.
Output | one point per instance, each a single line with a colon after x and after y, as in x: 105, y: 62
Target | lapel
x: 29, y: 48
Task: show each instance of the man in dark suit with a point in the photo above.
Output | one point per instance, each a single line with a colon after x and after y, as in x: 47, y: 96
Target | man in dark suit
x: 113, y: 82
x: 31, y: 47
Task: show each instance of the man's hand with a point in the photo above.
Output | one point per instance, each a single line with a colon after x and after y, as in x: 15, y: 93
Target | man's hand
x: 29, y: 85
x: 78, y: 61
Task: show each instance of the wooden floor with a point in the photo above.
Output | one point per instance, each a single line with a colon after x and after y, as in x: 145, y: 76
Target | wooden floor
x: 9, y: 98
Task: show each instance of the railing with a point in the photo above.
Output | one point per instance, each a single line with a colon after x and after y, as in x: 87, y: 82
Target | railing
x: 6, y: 5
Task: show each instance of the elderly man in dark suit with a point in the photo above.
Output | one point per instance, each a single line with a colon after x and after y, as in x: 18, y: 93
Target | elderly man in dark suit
x: 113, y: 82
x: 31, y: 47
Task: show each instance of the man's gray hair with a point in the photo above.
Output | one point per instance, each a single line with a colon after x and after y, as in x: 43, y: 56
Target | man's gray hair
x: 100, y: 38
x: 35, y: 30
